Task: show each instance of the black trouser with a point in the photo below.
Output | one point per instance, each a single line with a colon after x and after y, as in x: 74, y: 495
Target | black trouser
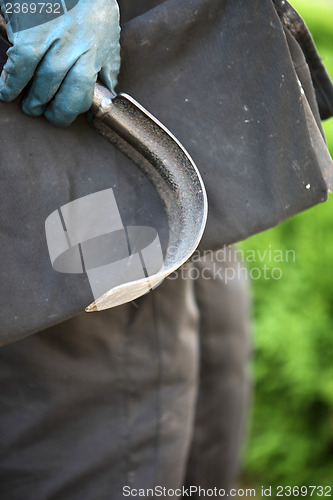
x: 142, y: 395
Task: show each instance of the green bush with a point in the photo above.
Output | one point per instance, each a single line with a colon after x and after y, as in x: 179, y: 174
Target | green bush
x: 291, y: 435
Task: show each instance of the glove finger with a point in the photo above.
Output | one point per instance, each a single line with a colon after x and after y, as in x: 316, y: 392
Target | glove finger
x: 48, y: 78
x: 18, y: 71
x: 109, y: 76
x: 110, y: 70
x: 74, y: 96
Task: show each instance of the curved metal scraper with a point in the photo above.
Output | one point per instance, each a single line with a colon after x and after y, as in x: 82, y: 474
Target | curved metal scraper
x: 139, y: 135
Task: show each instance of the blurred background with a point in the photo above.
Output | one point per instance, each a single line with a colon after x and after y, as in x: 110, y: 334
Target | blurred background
x: 290, y: 437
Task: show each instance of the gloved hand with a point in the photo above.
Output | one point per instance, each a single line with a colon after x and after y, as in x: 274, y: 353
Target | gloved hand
x: 63, y: 56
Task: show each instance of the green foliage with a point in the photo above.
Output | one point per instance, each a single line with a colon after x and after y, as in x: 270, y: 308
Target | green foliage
x: 291, y: 438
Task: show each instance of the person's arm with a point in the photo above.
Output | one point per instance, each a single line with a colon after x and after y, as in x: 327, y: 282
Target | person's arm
x: 60, y: 54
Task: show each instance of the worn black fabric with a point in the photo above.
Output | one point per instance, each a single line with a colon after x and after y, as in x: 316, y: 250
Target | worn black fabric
x: 224, y: 384
x: 221, y: 76
x: 227, y: 68
x: 129, y: 9
x: 321, y: 81
x: 101, y: 401
x: 144, y: 395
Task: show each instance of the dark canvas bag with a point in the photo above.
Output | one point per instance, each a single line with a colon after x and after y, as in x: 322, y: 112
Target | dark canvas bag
x: 229, y: 79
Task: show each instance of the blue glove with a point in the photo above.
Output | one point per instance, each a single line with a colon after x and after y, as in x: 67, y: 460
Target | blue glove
x: 62, y: 53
